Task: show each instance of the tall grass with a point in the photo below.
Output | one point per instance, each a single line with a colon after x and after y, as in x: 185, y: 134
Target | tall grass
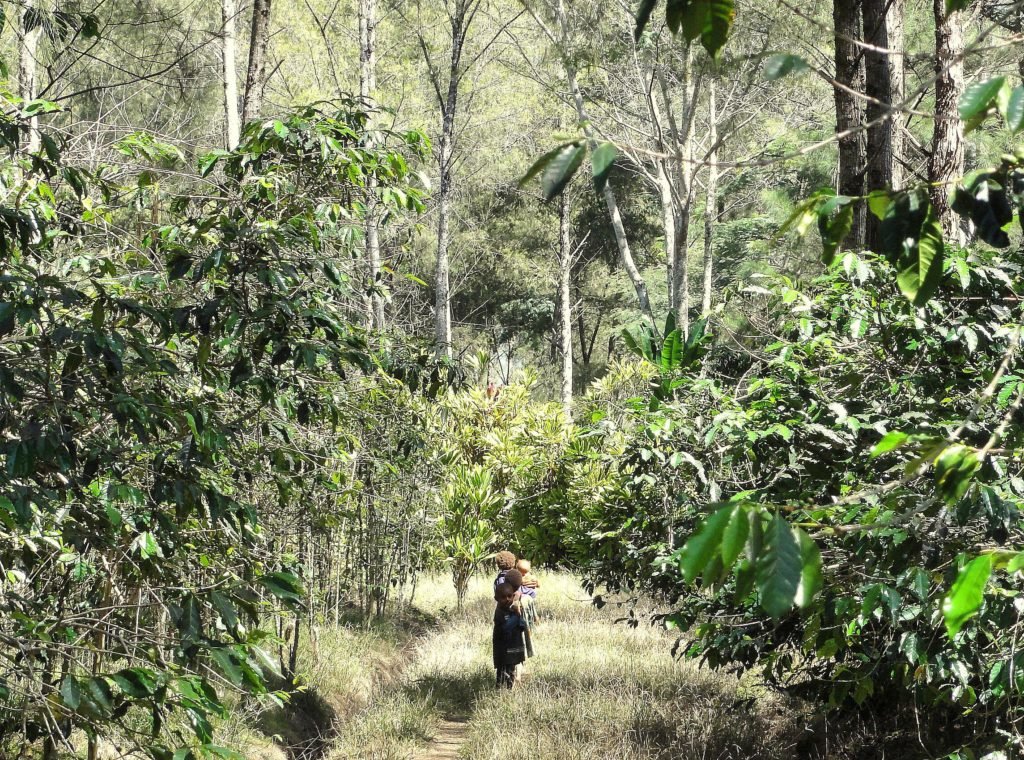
x: 595, y: 689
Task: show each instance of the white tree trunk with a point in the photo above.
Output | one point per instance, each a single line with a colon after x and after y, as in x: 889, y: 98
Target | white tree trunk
x: 28, y: 85
x: 229, y: 11
x: 367, y: 88
x: 565, y: 257
x: 711, y: 205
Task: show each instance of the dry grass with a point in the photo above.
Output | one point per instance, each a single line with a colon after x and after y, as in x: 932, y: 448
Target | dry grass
x: 596, y: 689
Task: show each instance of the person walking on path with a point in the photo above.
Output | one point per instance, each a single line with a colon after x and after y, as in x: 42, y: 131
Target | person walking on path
x: 509, y: 636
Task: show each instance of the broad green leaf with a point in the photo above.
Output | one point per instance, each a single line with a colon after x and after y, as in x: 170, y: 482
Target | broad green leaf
x: 779, y: 568
x: 810, y: 574
x: 227, y: 663
x: 541, y: 163
x: 979, y: 97
x: 70, y: 693
x: 835, y: 220
x: 561, y: 169
x: 1014, y: 115
x: 703, y: 544
x: 283, y: 585
x: 952, y: 6
x: 601, y: 161
x: 967, y: 593
x: 734, y: 537
x: 226, y: 610
x: 911, y: 239
x: 672, y: 351
x: 782, y: 64
x: 954, y: 469
x: 890, y: 442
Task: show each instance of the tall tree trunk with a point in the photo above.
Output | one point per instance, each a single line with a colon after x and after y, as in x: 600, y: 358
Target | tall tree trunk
x: 883, y: 84
x: 947, y: 160
x: 849, y: 114
x: 28, y: 53
x: 446, y: 152
x: 610, y: 202
x: 229, y: 11
x: 711, y: 205
x: 367, y: 88
x: 256, y: 72
x: 683, y: 130
x: 565, y: 257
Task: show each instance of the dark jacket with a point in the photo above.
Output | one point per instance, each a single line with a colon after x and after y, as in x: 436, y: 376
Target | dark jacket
x: 509, y: 638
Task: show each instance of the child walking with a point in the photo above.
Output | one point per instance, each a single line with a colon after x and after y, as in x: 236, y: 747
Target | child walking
x: 509, y: 637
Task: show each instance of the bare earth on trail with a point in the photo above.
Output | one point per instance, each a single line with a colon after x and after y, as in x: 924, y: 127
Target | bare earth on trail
x: 447, y: 742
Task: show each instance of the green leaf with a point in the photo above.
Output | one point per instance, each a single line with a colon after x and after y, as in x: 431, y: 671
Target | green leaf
x: 979, y: 97
x: 955, y: 467
x: 672, y: 351
x: 779, y: 568
x: 967, y: 593
x: 70, y: 693
x: 890, y: 442
x: 227, y: 663
x: 1014, y: 115
x: 703, y: 544
x: 835, y: 220
x: 561, y: 169
x: 811, y: 580
x: 783, y: 64
x: 137, y: 683
x: 601, y: 161
x: 283, y: 585
x: 952, y: 6
x: 911, y: 239
x: 226, y: 610
x: 734, y: 537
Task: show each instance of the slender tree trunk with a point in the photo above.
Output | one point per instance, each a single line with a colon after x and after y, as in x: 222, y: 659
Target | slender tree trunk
x: 256, y: 72
x: 460, y: 21
x: 849, y: 114
x: 684, y: 198
x: 881, y: 60
x: 947, y: 160
x: 610, y: 202
x: 229, y: 11
x: 28, y: 85
x: 711, y: 205
x: 367, y: 88
x: 565, y: 256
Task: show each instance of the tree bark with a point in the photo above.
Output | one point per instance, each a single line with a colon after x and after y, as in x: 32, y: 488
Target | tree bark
x: 884, y: 84
x: 256, y: 72
x: 711, y: 205
x: 367, y: 88
x: 28, y: 84
x: 229, y: 11
x: 946, y: 164
x: 565, y: 257
x: 682, y: 131
x: 849, y: 114
x: 442, y: 303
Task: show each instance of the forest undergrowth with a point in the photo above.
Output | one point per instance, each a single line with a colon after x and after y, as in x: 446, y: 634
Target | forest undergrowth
x: 598, y: 688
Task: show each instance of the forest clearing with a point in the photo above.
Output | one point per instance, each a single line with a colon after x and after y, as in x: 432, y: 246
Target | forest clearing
x: 319, y: 317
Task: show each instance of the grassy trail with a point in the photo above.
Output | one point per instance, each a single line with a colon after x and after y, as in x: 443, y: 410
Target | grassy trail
x: 595, y: 689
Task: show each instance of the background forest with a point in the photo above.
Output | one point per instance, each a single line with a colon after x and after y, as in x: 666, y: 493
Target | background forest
x: 301, y: 300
